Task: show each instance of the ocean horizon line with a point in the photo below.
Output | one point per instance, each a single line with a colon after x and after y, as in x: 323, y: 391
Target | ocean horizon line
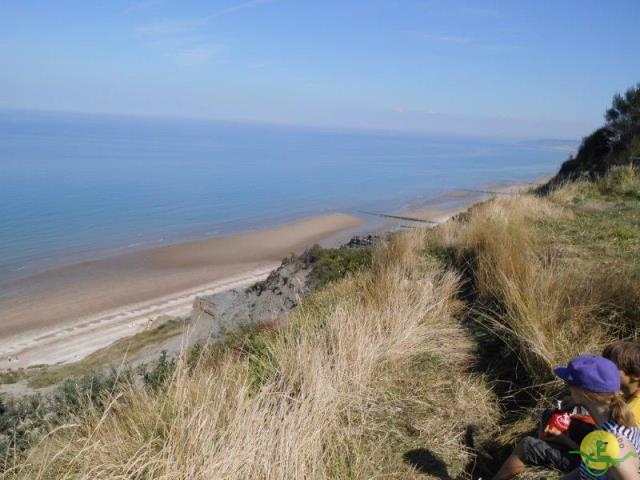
x: 327, y: 128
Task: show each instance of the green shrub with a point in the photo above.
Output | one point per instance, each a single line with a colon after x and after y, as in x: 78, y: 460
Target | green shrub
x: 155, y: 378
x: 329, y: 265
x: 24, y: 420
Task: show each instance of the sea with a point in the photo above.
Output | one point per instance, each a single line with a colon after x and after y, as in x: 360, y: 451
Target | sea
x: 75, y: 187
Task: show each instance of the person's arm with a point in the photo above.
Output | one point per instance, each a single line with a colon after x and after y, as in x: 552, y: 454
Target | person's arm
x: 627, y: 470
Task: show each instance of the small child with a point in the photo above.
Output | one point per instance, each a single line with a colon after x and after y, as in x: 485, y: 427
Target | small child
x: 594, y: 383
x: 626, y: 355
x: 553, y: 452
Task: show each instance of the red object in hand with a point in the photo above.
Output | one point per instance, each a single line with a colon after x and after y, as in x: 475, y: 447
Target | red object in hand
x: 558, y: 423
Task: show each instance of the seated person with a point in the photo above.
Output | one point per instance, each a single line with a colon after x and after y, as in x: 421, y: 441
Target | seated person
x: 626, y: 355
x: 594, y: 383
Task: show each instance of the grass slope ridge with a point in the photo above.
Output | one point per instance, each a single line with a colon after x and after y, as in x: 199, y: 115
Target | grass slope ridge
x: 361, y: 375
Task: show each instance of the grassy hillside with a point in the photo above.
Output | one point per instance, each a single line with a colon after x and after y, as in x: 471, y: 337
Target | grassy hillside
x: 360, y: 377
x: 433, y: 359
x: 547, y: 278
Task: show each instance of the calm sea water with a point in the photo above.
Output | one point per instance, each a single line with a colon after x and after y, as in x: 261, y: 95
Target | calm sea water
x: 74, y: 187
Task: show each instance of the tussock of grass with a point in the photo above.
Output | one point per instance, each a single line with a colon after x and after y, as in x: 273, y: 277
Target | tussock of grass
x: 622, y: 181
x: 573, y: 192
x: 361, y: 375
x: 525, y: 296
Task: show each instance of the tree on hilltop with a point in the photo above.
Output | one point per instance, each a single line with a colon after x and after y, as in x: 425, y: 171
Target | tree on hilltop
x: 617, y: 142
x: 624, y: 115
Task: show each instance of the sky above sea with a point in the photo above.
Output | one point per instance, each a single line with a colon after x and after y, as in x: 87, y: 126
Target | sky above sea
x: 75, y: 187
x: 536, y: 69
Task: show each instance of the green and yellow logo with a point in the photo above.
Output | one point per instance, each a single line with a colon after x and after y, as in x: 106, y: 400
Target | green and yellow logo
x: 600, y: 451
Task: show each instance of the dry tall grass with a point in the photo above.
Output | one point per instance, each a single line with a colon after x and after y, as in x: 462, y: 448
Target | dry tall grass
x: 623, y: 180
x: 620, y: 181
x: 368, y: 368
x: 545, y: 310
x: 544, y: 298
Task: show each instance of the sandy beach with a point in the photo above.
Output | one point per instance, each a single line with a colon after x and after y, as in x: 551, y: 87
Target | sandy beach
x: 64, y: 314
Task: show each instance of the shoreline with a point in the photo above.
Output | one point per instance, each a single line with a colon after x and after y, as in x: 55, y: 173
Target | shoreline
x: 76, y: 327
x: 49, y: 317
x: 74, y: 342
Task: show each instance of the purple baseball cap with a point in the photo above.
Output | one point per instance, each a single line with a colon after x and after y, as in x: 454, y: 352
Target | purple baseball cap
x: 591, y: 372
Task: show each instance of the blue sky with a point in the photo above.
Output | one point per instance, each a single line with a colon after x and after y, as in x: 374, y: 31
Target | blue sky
x: 500, y: 68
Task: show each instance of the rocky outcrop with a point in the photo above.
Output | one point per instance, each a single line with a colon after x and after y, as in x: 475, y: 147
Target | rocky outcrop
x: 272, y: 300
x: 269, y: 301
x: 362, y: 241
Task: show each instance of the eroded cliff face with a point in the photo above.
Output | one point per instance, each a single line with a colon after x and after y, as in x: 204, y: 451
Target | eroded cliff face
x: 269, y: 301
x: 272, y: 300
